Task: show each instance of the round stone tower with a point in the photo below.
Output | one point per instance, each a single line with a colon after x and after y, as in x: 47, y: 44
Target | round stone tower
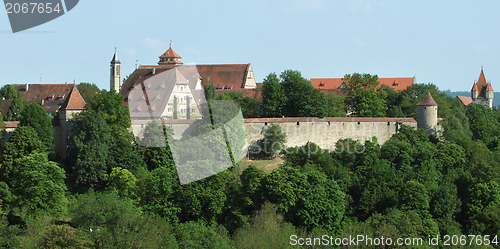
x: 427, y: 115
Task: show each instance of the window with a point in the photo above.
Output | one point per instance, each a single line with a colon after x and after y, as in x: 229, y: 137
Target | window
x: 182, y: 88
x: 156, y: 99
x: 169, y: 109
x: 160, y: 88
x: 193, y: 110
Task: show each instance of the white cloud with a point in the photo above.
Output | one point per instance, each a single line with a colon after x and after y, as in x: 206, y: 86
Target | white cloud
x: 152, y: 43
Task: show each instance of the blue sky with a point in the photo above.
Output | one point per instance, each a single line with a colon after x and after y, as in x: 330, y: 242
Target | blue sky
x: 443, y: 42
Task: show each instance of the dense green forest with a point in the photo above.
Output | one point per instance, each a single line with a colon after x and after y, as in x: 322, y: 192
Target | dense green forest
x: 112, y: 193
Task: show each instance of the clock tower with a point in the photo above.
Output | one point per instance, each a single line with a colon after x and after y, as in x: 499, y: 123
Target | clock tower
x: 115, y: 74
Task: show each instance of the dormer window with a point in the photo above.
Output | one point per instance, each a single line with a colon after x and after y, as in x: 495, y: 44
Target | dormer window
x: 160, y: 88
x: 321, y: 84
x: 49, y: 98
x: 156, y: 99
x: 59, y: 98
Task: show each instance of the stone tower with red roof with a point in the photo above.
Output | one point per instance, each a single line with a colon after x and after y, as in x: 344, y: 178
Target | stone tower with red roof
x: 482, y: 91
x: 427, y: 115
x: 73, y: 105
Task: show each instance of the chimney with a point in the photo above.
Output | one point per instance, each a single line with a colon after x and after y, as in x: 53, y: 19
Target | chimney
x: 154, y: 71
x: 42, y: 102
x: 27, y: 87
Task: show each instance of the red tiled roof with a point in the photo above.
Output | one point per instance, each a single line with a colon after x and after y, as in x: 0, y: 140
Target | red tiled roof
x: 398, y: 84
x: 481, y: 86
x: 428, y: 101
x: 465, y: 100
x: 221, y: 75
x: 74, y: 101
x: 11, y: 124
x: 489, y: 87
x: 49, y: 96
x: 170, y: 53
x: 474, y: 87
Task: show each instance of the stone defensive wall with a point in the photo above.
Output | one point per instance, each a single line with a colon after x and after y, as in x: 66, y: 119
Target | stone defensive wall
x: 323, y: 131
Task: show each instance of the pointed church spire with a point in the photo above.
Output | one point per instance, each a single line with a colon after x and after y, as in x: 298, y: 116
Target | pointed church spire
x: 115, y: 59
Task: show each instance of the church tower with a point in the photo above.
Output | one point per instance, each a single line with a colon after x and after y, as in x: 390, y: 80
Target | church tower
x: 482, y: 91
x: 115, y: 74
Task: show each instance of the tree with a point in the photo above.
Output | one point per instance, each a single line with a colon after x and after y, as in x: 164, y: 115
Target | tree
x: 362, y: 97
x: 158, y: 194
x: 110, y: 106
x: 157, y: 153
x: 274, y: 141
x: 88, y: 90
x: 285, y: 187
x: 9, y: 92
x: 23, y: 142
x: 322, y: 205
x: 273, y: 97
x: 336, y: 105
x: 202, y: 200
x: 210, y: 91
x: 415, y: 93
x: 123, y: 182
x: 34, y: 115
x: 38, y: 184
x: 16, y: 108
x: 251, y: 183
x: 303, y: 100
x: 197, y: 236
x: 89, y: 149
x: 267, y: 229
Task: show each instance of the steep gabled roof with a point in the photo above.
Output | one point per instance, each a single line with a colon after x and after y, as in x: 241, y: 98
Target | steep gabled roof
x: 428, y: 101
x: 74, y: 101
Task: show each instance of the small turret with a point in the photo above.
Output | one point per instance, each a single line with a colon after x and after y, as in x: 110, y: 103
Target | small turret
x: 170, y: 57
x: 474, y: 91
x: 489, y: 95
x: 427, y: 115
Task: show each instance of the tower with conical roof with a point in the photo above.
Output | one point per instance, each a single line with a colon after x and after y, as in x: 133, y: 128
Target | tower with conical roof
x: 170, y: 57
x: 427, y: 115
x: 482, y: 91
x: 73, y: 105
x: 115, y: 74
